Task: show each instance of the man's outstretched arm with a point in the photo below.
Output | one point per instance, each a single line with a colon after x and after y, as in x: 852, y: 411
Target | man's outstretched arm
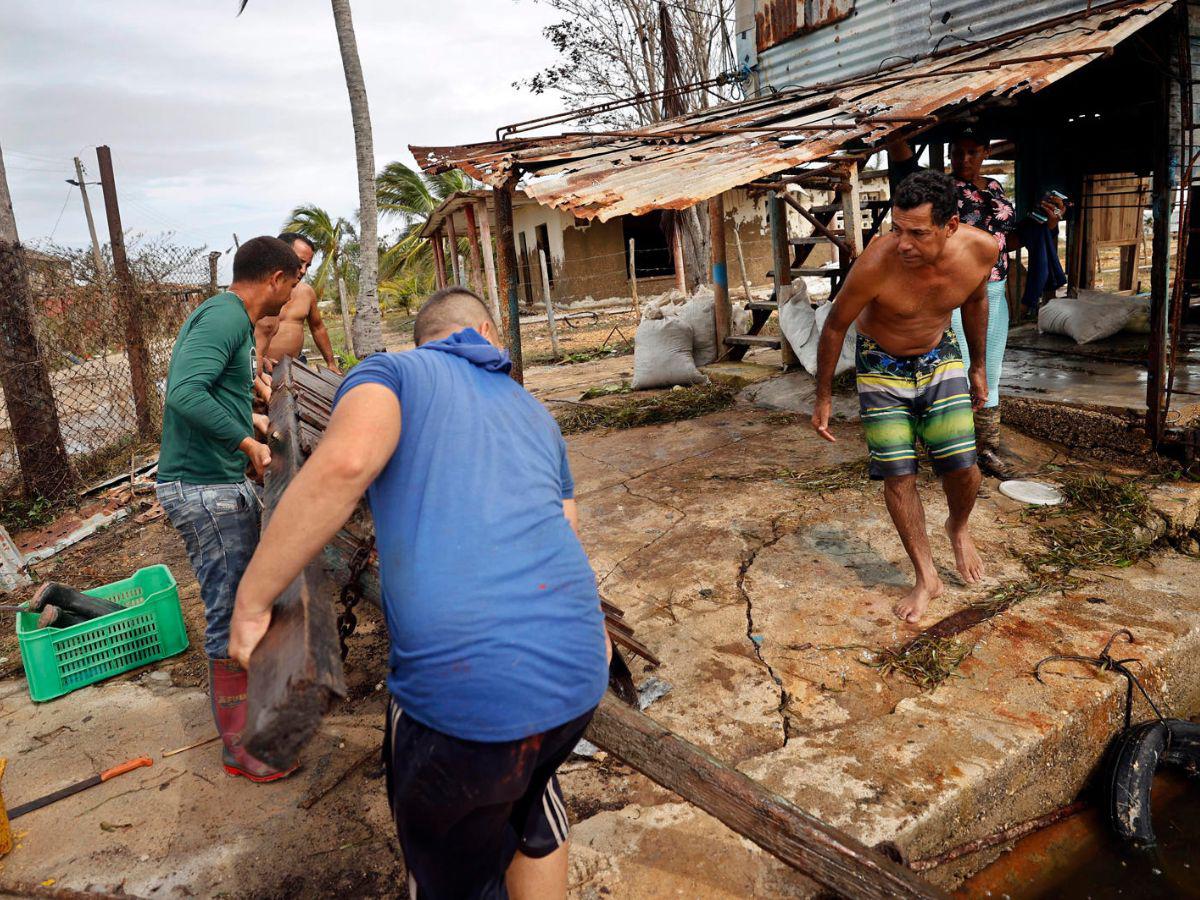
x: 360, y: 439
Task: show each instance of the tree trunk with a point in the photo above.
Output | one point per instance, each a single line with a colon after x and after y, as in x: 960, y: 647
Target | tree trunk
x: 32, y: 414
x: 695, y: 243
x: 368, y: 322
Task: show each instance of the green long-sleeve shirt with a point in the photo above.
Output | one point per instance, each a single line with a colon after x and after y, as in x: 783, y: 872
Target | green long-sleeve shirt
x: 209, y: 395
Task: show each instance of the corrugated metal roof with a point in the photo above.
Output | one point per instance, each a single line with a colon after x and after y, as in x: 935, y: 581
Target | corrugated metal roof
x: 677, y: 163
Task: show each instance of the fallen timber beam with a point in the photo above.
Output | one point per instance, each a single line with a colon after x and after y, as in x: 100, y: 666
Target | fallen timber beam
x: 821, y: 852
x: 296, y: 670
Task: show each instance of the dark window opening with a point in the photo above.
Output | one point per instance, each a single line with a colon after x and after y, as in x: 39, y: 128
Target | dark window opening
x: 652, y: 250
x: 542, y: 236
x: 525, y: 273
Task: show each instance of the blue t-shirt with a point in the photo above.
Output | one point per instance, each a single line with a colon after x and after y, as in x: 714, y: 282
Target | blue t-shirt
x: 491, y: 603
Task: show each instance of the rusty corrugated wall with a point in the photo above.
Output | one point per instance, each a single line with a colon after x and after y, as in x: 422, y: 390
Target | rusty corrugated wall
x: 856, y: 37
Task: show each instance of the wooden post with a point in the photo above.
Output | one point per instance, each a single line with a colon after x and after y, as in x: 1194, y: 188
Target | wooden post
x: 296, y: 670
x: 344, y: 303
x: 677, y: 251
x: 737, y: 239
x: 128, y: 297
x: 937, y: 156
x: 1160, y: 262
x: 32, y: 413
x: 91, y: 223
x: 452, y: 236
x: 473, y: 242
x: 633, y: 292
x: 508, y: 274
x: 489, y: 261
x: 821, y: 852
x: 851, y: 218
x: 439, y: 260
x: 781, y: 265
x: 549, y: 303
x: 213, y: 287
x: 722, y: 310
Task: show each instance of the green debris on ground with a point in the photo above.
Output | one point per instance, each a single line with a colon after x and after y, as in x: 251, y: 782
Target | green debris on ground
x: 579, y: 356
x: 853, y: 474
x: 607, y: 390
x: 669, y: 406
x: 1102, y: 523
x: 926, y: 660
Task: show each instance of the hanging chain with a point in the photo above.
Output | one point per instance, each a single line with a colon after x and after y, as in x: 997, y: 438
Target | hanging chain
x: 347, y: 621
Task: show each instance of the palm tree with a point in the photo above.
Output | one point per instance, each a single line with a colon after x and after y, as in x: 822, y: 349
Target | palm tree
x: 332, y: 238
x: 368, y: 322
x: 412, y: 197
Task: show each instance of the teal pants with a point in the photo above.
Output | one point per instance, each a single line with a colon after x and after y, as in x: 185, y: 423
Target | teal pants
x: 997, y: 338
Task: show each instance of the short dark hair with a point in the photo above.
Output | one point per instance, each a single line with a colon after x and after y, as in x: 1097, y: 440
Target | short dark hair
x: 261, y: 257
x: 935, y: 188
x: 448, y: 310
x: 290, y: 237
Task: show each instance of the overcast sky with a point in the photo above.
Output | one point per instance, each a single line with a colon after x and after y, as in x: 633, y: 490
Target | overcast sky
x: 220, y: 124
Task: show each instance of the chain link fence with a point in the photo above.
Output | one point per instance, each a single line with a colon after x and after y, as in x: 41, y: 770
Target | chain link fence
x: 88, y: 328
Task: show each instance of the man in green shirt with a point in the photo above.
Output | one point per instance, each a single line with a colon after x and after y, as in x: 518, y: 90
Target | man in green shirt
x: 208, y: 435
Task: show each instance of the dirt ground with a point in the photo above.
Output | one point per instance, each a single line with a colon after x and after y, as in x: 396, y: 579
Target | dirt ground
x: 764, y: 598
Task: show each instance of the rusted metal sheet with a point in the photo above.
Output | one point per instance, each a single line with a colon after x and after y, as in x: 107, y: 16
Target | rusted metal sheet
x: 779, y: 20
x: 671, y: 167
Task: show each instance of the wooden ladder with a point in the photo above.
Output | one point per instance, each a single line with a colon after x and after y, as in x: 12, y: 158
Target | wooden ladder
x: 799, y: 250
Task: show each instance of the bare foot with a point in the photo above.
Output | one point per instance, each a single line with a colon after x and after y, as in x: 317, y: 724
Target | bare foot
x: 966, y: 557
x: 913, y: 606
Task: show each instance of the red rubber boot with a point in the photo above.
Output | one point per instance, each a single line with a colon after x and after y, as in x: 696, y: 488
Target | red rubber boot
x: 227, y: 682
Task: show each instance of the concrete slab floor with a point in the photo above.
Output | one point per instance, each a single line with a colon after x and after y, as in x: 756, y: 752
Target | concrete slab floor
x: 763, y: 599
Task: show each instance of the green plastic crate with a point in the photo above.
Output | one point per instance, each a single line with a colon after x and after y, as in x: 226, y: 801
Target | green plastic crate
x: 59, y: 660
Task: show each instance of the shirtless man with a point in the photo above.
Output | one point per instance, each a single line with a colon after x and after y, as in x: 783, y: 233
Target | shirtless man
x: 278, y: 336
x: 911, y: 383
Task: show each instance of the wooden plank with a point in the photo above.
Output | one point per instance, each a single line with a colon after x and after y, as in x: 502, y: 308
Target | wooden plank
x: 823, y: 853
x: 296, y: 670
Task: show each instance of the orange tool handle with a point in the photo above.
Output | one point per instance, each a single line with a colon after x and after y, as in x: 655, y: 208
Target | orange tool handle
x: 126, y: 767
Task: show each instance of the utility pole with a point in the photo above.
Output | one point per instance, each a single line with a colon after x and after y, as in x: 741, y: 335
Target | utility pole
x: 33, y: 416
x: 213, y: 256
x: 87, y: 211
x: 127, y: 296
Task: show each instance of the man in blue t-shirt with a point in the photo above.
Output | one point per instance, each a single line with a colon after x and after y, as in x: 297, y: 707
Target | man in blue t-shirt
x: 498, y: 651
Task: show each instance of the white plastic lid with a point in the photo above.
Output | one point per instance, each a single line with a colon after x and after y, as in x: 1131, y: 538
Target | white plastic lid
x: 1037, y: 493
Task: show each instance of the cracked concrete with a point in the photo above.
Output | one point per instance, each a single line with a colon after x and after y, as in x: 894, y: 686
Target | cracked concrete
x: 764, y: 600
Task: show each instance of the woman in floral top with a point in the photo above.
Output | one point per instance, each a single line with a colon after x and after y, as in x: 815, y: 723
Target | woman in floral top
x: 983, y: 204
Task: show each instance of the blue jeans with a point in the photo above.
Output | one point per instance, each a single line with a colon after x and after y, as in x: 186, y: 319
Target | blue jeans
x: 220, y: 526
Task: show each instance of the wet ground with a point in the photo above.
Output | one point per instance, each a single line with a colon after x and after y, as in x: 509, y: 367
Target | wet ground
x: 1081, y: 859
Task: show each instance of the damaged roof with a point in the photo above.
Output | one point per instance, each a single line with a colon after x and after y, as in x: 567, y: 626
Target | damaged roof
x: 676, y: 163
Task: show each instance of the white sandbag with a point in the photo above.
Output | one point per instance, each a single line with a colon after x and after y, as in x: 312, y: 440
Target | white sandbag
x: 662, y: 355
x: 796, y: 316
x: 698, y: 313
x: 1084, y: 319
x: 808, y: 353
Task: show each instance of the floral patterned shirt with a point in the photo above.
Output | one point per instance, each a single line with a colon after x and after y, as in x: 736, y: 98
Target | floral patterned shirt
x: 988, y: 208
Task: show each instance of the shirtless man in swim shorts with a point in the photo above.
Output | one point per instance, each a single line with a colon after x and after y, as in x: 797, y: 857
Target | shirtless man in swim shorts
x: 278, y: 336
x: 911, y: 382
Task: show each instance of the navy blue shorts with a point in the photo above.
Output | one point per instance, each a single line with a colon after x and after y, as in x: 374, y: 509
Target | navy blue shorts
x: 463, y: 808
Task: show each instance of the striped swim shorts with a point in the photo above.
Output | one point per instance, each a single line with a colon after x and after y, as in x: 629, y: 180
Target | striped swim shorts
x: 904, y: 399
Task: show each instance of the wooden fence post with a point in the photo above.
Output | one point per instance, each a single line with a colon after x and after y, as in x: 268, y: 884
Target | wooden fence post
x: 549, y: 303
x: 131, y: 305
